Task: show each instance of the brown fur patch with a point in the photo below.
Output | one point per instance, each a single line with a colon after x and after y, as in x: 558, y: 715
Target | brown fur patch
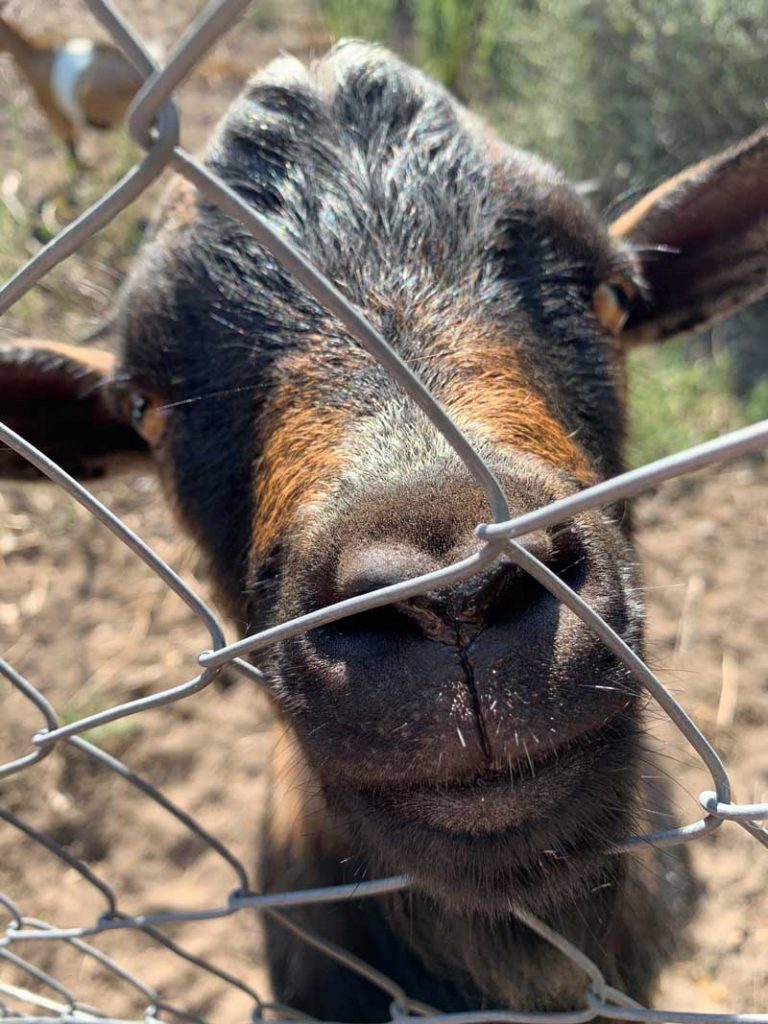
x: 92, y: 360
x: 300, y: 455
x: 489, y: 394
x: 485, y: 390
x: 517, y: 420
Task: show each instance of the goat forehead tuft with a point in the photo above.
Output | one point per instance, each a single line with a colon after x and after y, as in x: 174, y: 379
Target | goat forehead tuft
x: 336, y: 146
x: 360, y: 157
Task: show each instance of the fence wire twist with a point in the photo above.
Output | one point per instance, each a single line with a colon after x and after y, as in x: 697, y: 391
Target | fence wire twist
x: 154, y: 123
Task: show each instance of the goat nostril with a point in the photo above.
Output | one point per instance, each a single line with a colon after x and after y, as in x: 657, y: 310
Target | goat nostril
x: 372, y: 566
x: 507, y: 590
x: 494, y: 597
x: 367, y: 566
x: 568, y: 555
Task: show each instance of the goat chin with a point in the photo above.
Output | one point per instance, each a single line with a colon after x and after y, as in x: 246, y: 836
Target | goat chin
x: 461, y: 945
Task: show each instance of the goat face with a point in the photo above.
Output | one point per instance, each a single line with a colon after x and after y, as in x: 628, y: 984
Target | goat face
x: 478, y: 737
x: 473, y: 732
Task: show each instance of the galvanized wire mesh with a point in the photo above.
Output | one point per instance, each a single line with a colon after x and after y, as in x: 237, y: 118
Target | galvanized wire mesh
x: 154, y: 123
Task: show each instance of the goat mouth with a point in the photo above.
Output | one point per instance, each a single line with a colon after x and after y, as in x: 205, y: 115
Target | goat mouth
x: 482, y: 807
x: 518, y: 799
x: 533, y: 834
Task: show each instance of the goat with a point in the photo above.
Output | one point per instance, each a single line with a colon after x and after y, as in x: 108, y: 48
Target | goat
x: 478, y: 738
x: 78, y: 83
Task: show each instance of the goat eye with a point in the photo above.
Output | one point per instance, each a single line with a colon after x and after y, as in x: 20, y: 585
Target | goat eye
x: 147, y: 416
x: 611, y: 304
x: 138, y: 407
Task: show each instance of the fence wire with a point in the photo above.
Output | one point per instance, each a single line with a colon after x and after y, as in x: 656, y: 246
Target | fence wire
x: 154, y: 123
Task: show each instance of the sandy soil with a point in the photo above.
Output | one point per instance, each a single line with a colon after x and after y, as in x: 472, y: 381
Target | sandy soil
x: 90, y: 626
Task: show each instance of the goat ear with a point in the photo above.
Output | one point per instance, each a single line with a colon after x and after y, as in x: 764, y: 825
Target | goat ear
x: 58, y: 398
x: 702, y: 242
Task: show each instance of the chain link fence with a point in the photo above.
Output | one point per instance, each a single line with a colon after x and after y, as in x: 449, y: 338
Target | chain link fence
x: 154, y: 123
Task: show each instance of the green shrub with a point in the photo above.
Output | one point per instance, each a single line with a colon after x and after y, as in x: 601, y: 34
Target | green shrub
x: 676, y: 401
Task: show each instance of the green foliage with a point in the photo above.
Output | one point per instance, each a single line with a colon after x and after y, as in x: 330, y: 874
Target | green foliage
x: 755, y: 406
x: 668, y: 81
x: 625, y: 90
x: 374, y: 20
x: 676, y: 401
x: 449, y: 31
x: 265, y: 16
x: 113, y: 737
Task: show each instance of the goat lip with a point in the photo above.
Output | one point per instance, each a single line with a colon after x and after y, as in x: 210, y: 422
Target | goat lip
x: 482, y: 810
x: 540, y: 833
x: 496, y: 801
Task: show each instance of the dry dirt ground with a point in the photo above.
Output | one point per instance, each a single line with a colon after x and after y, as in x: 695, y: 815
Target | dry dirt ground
x: 90, y: 626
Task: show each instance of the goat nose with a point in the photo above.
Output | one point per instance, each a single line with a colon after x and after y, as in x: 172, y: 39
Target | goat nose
x: 369, y: 566
x: 457, y: 612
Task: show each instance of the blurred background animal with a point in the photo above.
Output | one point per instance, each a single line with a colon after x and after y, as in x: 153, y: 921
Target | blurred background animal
x: 78, y: 83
